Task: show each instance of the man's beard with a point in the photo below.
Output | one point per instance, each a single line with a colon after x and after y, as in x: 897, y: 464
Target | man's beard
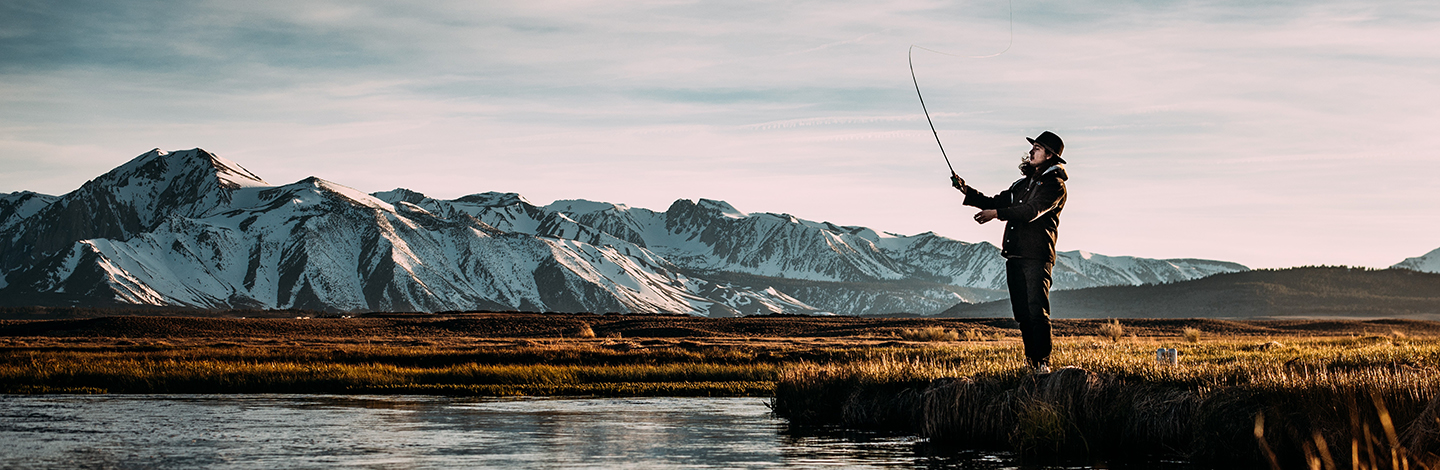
x: 1027, y: 169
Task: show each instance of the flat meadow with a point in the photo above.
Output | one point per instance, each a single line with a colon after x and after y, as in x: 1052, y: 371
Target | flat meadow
x: 1320, y: 394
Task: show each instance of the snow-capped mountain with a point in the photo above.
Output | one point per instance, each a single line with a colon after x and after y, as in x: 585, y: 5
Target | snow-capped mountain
x: 190, y: 228
x: 129, y: 200
x: 1429, y: 262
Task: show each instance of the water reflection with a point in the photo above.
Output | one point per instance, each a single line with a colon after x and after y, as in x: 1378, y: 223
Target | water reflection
x: 306, y: 431
x: 847, y: 447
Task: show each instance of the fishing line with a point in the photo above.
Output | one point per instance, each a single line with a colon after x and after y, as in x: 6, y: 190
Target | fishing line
x: 910, y: 56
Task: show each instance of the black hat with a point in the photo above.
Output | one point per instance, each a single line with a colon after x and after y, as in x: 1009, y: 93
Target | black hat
x: 1051, y: 142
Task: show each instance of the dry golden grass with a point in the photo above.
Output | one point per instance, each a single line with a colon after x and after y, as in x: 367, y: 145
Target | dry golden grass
x: 1216, y: 362
x: 501, y: 367
x: 933, y: 333
x: 519, y: 369
x: 126, y: 375
x: 1112, y: 330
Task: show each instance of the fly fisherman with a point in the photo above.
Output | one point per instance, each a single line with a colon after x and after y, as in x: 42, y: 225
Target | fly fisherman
x: 1031, y: 211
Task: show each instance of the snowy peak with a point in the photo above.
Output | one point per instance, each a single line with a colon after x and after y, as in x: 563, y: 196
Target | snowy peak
x: 504, y: 212
x: 185, y: 165
x: 558, y: 225
x: 400, y: 195
x: 685, y: 211
x: 158, y: 183
x: 232, y: 175
x: 634, y: 226
x: 18, y: 206
x: 581, y: 206
x: 494, y: 199
x: 346, y: 194
x: 714, y: 236
x: 721, y: 207
x: 131, y: 199
x: 1429, y: 262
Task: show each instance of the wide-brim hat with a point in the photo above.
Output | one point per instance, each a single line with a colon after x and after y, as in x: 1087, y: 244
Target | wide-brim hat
x: 1051, y: 142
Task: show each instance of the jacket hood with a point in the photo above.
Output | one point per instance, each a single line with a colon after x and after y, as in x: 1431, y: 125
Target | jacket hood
x: 1058, y: 170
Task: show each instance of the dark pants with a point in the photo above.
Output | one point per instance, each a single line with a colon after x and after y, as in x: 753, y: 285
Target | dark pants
x: 1029, y: 281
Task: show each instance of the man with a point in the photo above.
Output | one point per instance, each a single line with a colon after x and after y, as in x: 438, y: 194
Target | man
x: 1031, y: 211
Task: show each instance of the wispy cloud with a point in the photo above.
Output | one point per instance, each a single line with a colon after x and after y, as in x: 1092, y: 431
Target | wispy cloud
x: 837, y: 120
x: 1268, y: 134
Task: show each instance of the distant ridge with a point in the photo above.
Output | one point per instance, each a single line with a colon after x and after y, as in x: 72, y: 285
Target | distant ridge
x: 1304, y: 292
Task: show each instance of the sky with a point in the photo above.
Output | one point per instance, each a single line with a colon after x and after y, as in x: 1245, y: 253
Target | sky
x: 1273, y: 134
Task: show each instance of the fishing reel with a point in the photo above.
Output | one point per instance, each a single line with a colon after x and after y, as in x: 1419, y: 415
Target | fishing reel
x: 958, y: 183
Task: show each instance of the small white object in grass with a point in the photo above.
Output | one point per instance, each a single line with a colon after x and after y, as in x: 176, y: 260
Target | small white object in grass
x: 1167, y: 356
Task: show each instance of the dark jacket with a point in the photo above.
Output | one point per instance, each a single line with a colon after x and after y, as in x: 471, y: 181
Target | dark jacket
x: 1031, y: 211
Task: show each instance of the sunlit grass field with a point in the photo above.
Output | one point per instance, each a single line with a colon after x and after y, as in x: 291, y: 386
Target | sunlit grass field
x: 1281, y: 362
x: 1312, y: 402
x: 221, y: 367
x: 556, y: 368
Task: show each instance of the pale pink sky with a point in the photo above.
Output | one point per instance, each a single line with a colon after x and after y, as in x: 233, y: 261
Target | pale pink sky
x: 1277, y: 135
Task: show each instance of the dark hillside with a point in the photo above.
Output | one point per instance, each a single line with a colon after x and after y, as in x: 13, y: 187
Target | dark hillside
x: 1294, y: 292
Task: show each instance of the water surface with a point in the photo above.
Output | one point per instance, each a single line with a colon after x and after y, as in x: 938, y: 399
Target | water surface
x: 419, y: 432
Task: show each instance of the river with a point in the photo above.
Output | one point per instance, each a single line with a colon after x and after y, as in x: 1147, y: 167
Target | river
x: 421, y: 432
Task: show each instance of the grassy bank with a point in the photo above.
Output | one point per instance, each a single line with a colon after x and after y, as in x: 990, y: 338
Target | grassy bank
x: 505, y: 367
x: 1336, y: 400
x: 1338, y: 392
x: 557, y: 368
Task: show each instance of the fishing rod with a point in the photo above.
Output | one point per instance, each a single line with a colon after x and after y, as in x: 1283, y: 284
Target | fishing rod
x: 910, y: 57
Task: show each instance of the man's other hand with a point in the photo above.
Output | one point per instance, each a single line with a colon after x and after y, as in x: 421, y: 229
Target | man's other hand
x: 986, y: 215
x: 957, y: 182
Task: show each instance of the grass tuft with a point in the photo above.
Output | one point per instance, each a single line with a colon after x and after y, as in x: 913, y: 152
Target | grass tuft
x: 1112, y: 330
x: 932, y: 333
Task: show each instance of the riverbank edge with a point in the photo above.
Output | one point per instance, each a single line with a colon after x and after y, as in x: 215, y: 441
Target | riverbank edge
x: 1076, y: 413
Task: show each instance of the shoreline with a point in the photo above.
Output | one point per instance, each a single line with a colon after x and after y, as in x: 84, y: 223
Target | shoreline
x: 1341, y: 381
x: 1230, y: 402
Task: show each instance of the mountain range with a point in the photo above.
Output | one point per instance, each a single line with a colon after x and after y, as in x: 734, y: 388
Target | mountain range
x: 189, y: 228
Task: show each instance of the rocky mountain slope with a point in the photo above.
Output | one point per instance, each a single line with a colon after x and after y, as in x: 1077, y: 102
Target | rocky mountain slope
x: 189, y: 228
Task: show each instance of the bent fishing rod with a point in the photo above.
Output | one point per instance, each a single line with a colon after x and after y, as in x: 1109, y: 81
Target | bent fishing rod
x: 910, y: 57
